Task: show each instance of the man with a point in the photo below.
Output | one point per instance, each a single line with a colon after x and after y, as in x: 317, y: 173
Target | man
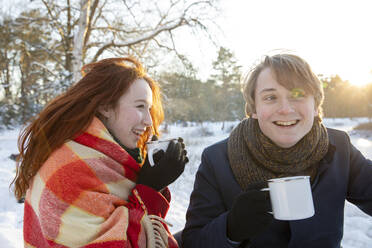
x: 282, y: 136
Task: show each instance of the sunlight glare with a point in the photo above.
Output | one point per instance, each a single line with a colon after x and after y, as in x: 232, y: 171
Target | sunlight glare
x: 358, y: 76
x: 359, y: 79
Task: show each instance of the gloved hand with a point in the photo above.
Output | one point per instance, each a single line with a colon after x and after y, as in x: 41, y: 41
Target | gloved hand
x: 249, y: 213
x: 168, y: 166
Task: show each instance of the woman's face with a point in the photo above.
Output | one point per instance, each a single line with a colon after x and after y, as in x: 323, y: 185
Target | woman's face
x: 283, y: 116
x: 129, y: 120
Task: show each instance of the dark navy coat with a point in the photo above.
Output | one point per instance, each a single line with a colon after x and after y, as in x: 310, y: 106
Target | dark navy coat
x: 343, y: 174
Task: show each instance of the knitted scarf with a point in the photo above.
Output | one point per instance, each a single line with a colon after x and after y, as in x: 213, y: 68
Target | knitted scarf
x: 254, y: 157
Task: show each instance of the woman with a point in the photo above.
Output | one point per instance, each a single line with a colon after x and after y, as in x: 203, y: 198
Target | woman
x: 81, y: 164
x: 283, y: 136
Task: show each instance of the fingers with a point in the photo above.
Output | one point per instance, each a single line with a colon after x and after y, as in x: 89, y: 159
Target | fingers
x: 177, y: 152
x: 184, y: 158
x: 262, y: 196
x: 257, y: 185
x: 182, y: 153
x: 180, y: 140
x: 259, y: 200
x: 267, y: 203
x: 171, y: 148
x: 158, y: 155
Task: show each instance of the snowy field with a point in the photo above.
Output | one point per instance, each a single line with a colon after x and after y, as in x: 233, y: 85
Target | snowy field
x: 358, y: 226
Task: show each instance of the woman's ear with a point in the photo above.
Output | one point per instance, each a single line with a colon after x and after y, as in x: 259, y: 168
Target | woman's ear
x: 104, y: 111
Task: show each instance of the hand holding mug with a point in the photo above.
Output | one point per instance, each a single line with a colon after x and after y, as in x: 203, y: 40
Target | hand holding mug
x: 250, y: 213
x: 154, y: 146
x: 168, y: 166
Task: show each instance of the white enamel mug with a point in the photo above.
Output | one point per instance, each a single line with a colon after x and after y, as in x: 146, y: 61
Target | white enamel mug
x: 291, y: 198
x: 155, y: 146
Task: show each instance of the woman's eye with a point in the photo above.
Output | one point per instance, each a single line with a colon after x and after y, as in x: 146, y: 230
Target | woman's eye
x: 141, y: 106
x: 270, y: 98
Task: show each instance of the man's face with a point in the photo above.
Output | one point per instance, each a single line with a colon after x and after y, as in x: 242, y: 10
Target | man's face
x: 284, y: 116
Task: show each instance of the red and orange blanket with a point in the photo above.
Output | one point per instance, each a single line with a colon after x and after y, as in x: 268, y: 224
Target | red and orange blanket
x: 85, y: 195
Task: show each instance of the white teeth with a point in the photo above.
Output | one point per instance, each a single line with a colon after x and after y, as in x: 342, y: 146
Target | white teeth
x: 285, y: 123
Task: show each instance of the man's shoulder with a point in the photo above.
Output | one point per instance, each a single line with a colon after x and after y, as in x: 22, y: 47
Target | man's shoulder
x: 218, y: 146
x: 336, y: 134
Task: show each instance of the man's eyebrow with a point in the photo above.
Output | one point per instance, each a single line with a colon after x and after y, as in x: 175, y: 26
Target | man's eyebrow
x: 267, y: 90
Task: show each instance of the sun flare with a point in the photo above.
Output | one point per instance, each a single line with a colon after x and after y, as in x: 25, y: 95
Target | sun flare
x: 359, y: 79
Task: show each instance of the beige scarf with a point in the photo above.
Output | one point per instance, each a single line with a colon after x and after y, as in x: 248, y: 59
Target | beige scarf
x: 254, y: 157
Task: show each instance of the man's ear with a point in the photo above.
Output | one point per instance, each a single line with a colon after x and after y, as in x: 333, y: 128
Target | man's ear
x: 247, y: 110
x: 316, y: 111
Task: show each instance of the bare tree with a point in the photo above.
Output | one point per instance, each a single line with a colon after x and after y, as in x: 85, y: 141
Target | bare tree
x: 83, y: 21
x: 7, y: 55
x: 45, y: 45
x: 88, y: 29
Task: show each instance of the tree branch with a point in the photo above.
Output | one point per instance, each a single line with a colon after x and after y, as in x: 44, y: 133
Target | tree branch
x: 55, y: 22
x: 150, y: 36
x: 90, y: 19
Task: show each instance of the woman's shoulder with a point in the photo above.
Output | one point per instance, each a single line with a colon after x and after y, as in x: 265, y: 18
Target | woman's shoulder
x: 62, y: 156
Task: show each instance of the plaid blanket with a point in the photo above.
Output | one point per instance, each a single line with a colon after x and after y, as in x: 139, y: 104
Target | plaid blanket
x: 85, y: 195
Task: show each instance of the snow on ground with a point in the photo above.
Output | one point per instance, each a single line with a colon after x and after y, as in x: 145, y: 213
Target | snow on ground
x: 357, y: 228
x: 11, y: 213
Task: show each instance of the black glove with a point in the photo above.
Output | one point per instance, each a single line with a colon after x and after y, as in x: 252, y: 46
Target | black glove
x: 168, y: 166
x: 249, y: 213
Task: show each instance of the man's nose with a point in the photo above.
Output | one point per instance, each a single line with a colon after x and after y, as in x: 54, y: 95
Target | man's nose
x: 285, y: 107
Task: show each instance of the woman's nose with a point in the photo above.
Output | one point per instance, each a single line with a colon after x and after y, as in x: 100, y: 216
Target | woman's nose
x: 147, y: 119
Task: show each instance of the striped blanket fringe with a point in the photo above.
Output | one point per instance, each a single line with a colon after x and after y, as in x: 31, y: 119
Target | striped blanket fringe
x: 157, y: 236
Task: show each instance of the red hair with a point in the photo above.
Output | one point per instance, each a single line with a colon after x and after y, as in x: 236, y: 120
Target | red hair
x: 70, y: 113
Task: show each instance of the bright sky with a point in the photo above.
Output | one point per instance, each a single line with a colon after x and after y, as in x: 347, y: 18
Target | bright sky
x: 334, y: 36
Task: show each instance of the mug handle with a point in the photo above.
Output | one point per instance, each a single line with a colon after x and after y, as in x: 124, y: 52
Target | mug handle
x: 150, y: 153
x: 267, y: 189
x: 161, y: 146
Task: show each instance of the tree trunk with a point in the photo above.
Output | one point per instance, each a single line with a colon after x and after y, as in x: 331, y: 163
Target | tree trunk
x: 77, y: 59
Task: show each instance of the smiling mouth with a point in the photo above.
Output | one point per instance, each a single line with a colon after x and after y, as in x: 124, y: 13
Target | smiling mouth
x: 137, y: 132
x: 286, y: 123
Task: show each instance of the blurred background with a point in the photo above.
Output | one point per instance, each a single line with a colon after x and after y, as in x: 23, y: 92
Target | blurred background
x: 196, y: 49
